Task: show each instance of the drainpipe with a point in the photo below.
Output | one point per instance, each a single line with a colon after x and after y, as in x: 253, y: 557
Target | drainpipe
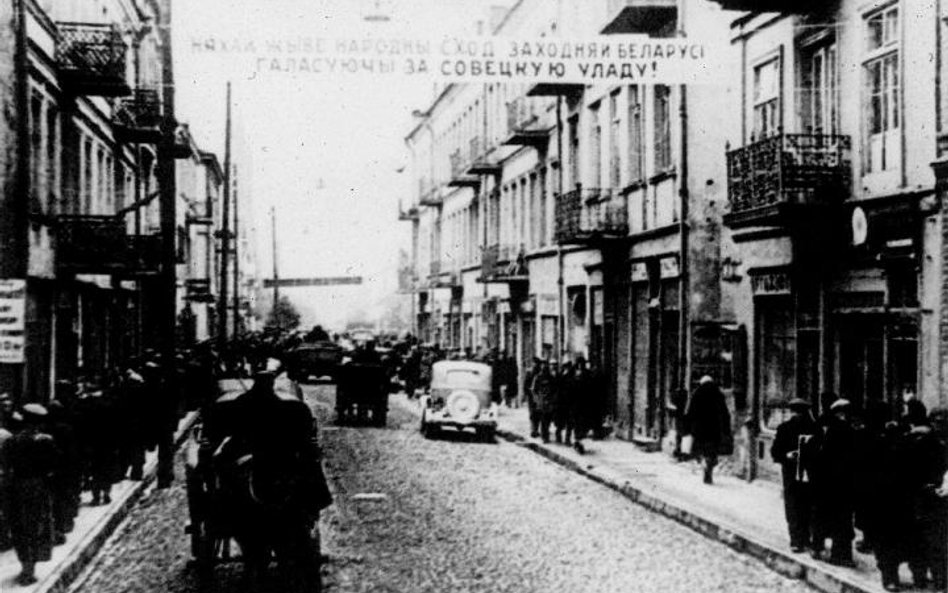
x: 561, y: 337
x: 684, y: 275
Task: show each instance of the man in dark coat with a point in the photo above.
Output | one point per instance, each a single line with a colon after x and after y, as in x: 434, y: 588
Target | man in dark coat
x: 582, y: 403
x: 709, y: 424
x: 925, y: 465
x: 33, y: 458
x: 543, y: 389
x: 6, y: 433
x: 791, y: 449
x: 564, y: 405
x: 836, y: 465
x: 888, y: 507
x: 67, y: 479
x: 532, y: 408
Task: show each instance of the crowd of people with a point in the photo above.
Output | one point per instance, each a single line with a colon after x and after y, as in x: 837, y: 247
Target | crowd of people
x: 882, y: 472
x: 93, y: 434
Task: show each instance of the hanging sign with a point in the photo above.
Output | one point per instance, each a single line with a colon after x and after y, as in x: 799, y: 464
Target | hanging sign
x: 12, y: 320
x: 772, y: 283
x: 608, y: 59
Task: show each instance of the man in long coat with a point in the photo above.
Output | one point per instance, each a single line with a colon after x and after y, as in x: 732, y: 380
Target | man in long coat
x: 543, y: 388
x: 709, y: 424
x: 836, y: 465
x: 791, y: 448
x: 33, y: 457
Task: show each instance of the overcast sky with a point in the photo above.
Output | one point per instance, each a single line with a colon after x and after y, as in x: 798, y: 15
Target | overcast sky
x: 324, y: 150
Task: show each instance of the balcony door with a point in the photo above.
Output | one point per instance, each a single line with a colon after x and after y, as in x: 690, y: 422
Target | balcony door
x: 818, y: 94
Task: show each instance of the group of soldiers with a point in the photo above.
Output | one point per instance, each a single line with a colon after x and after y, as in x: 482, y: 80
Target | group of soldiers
x: 882, y: 471
x: 94, y: 433
x: 567, y: 397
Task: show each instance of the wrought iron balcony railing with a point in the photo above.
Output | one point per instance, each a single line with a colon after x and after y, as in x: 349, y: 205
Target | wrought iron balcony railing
x: 92, y: 59
x: 524, y: 125
x: 100, y: 245
x: 801, y: 169
x: 590, y: 215
x: 137, y: 118
x: 503, y: 263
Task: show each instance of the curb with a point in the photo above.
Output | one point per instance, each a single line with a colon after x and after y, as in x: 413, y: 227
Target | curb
x: 85, y: 551
x: 780, y: 561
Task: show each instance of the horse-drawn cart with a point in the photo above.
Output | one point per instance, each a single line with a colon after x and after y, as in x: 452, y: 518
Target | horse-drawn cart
x: 254, y: 478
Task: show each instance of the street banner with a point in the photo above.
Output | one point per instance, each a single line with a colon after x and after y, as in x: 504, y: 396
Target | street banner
x: 12, y: 320
x: 610, y: 59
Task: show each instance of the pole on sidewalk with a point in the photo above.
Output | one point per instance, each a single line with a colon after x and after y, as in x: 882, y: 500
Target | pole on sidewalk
x: 168, y: 283
x: 276, y: 275
x: 223, y: 302
x: 236, y: 295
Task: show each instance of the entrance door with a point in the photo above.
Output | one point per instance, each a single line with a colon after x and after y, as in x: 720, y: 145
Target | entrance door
x: 861, y: 359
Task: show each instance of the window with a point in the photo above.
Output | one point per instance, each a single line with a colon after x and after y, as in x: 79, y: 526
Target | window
x: 767, y: 99
x: 615, y: 121
x: 635, y: 134
x: 595, y: 146
x: 777, y: 366
x: 52, y: 154
x: 881, y: 71
x: 819, y: 91
x: 36, y: 145
x: 663, y: 160
x: 86, y: 198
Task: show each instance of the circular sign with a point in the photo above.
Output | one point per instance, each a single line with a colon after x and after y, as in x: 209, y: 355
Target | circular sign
x: 860, y: 226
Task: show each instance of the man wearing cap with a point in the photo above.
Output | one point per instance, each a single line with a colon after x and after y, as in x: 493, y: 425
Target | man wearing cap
x: 837, y: 460
x: 791, y: 449
x: 33, y: 457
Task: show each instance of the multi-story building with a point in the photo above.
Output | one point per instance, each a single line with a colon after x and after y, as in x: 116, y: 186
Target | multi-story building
x: 574, y: 198
x: 762, y: 230
x: 834, y: 236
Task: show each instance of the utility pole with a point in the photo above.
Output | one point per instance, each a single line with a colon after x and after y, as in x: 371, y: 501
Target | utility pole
x: 168, y: 281
x: 236, y: 263
x: 225, y: 236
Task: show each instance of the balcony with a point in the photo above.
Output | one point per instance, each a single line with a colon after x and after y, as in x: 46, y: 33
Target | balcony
x: 768, y: 178
x: 503, y: 264
x: 459, y: 176
x: 92, y: 59
x: 100, y: 245
x: 479, y: 163
x: 198, y: 290
x: 655, y: 18
x: 784, y: 6
x: 431, y: 198
x: 438, y: 278
x: 524, y: 125
x: 411, y: 214
x: 137, y: 119
x: 588, y: 216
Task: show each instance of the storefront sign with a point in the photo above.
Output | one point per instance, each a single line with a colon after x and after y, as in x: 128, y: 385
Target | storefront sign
x: 771, y: 283
x: 12, y: 320
x: 639, y: 272
x: 668, y: 267
x: 548, y: 305
x: 635, y: 59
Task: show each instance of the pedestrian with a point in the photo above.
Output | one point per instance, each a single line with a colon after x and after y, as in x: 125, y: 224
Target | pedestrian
x: 792, y: 449
x: 563, y: 383
x: 925, y: 465
x: 888, y: 505
x: 836, y: 464
x: 132, y: 416
x: 544, y: 398
x: 709, y: 423
x: 532, y: 408
x: 582, y: 401
x: 6, y: 433
x: 98, y: 411
x: 33, y: 458
x: 67, y: 479
x: 678, y: 407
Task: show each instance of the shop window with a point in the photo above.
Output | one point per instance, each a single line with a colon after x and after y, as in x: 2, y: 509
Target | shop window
x: 776, y: 365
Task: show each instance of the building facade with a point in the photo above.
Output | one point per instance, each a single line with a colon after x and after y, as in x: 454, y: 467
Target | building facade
x: 760, y: 230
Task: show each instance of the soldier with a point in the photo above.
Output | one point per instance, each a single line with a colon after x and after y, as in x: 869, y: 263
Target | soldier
x: 791, y: 449
x: 33, y: 458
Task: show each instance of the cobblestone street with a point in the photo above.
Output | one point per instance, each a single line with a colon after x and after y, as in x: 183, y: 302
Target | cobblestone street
x: 450, y: 514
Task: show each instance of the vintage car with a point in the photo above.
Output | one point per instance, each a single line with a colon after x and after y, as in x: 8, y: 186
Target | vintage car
x: 362, y: 389
x: 315, y: 359
x: 459, y: 398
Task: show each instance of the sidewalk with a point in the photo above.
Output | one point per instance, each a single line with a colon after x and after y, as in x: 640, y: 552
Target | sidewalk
x: 747, y: 516
x: 93, y: 527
